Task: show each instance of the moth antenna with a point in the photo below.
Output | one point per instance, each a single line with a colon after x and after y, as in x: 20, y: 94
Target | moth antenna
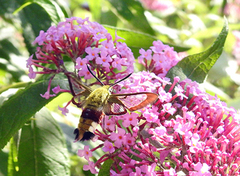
x: 121, y: 80
x: 94, y: 75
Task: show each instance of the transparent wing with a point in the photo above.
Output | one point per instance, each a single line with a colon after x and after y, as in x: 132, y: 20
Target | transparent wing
x: 79, y: 91
x: 114, y: 107
x: 80, y: 98
x: 133, y: 101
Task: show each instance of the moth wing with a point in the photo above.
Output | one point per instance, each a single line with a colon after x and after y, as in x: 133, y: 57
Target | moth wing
x: 79, y: 91
x: 114, y: 107
x: 135, y: 101
x: 80, y: 98
x: 78, y: 87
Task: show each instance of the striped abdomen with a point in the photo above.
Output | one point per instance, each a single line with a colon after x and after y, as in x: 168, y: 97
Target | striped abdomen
x: 87, y: 124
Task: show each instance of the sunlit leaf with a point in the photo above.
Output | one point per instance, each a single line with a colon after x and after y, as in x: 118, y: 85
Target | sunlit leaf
x: 20, y: 107
x: 197, y: 66
x: 12, y: 158
x: 105, y: 168
x: 137, y: 40
x: 45, y: 11
x: 42, y: 149
x: 3, y: 163
x: 133, y: 12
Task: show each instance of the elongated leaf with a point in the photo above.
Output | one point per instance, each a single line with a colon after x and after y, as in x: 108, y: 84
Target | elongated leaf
x: 24, y: 104
x: 42, y: 149
x: 105, y: 169
x: 95, y: 8
x: 7, y: 47
x: 51, y: 8
x: 3, y: 163
x: 12, y: 158
x: 137, y: 40
x: 36, y: 16
x: 32, y: 23
x: 8, y: 6
x: 133, y: 12
x: 196, y: 67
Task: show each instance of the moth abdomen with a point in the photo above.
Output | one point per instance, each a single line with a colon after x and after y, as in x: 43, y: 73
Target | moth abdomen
x: 87, y: 124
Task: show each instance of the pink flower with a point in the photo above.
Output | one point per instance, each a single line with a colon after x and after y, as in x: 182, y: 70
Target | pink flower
x: 40, y: 39
x: 92, y: 53
x: 85, y: 72
x: 104, y: 59
x: 80, y: 41
x: 150, y: 117
x: 90, y: 167
x: 117, y: 63
x: 86, y: 153
x: 144, y: 55
x: 107, y: 46
x: 130, y: 119
x: 81, y: 63
x: 137, y: 172
x: 236, y: 49
x: 118, y: 137
x: 57, y: 89
x: 202, y: 170
x: 160, y: 131
x: 110, y: 123
x: 30, y: 61
x: 168, y: 108
x: 47, y: 94
x: 148, y: 169
x: 108, y: 147
x: 170, y: 172
x: 31, y: 74
x: 64, y: 110
x: 162, y: 58
x: 129, y: 140
x: 161, y: 6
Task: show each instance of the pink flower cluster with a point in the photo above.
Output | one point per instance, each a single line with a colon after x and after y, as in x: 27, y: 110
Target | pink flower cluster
x: 159, y: 58
x: 75, y: 43
x: 236, y: 49
x: 186, y: 131
x: 158, y: 5
x: 232, y: 9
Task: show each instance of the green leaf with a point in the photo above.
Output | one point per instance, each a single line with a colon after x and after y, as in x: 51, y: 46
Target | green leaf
x: 105, y: 168
x: 197, y: 66
x: 137, y: 40
x: 51, y: 8
x: 133, y: 12
x: 6, y: 47
x: 42, y: 149
x: 20, y: 107
x: 95, y: 8
x: 32, y: 23
x: 12, y: 158
x: 36, y: 16
x: 3, y: 163
x: 8, y: 6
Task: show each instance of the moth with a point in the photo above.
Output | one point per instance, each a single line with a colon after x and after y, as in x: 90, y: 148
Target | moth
x: 99, y: 102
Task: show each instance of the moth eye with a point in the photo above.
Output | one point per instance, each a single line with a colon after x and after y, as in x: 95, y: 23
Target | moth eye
x: 110, y: 89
